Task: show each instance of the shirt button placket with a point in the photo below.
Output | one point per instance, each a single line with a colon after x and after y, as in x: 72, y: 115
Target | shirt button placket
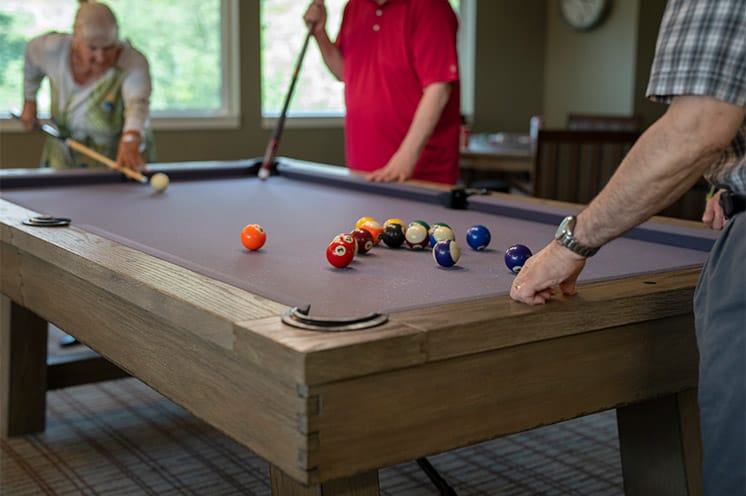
x: 377, y: 27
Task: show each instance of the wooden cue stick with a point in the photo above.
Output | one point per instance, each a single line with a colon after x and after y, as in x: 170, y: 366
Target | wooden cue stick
x: 77, y: 145
x: 80, y: 147
x: 274, y: 142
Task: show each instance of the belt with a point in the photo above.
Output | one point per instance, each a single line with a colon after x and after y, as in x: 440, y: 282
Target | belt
x: 732, y: 203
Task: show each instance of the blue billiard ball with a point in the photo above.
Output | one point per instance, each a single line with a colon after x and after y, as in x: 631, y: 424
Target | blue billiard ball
x: 516, y: 256
x: 478, y: 237
x: 446, y: 252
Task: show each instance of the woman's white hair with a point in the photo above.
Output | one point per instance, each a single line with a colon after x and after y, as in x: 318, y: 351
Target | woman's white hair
x: 96, y: 20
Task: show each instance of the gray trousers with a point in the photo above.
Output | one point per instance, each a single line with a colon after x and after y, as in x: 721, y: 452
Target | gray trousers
x: 720, y: 317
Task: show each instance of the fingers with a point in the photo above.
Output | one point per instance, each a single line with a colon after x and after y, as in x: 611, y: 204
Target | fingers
x: 128, y: 156
x: 315, y: 15
x: 552, y: 269
x: 713, y: 215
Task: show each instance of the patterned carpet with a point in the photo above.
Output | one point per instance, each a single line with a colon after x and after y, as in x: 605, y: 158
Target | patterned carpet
x: 123, y: 438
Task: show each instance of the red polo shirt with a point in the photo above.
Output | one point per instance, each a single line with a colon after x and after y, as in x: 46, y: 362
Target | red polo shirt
x: 391, y: 53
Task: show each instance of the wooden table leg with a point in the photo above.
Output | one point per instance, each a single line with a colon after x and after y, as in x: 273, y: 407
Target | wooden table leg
x: 23, y: 370
x: 360, y: 485
x: 660, y: 446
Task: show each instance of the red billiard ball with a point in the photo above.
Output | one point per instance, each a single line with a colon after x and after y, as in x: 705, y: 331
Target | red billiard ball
x: 339, y: 254
x: 416, y: 236
x: 516, y: 256
x: 363, y: 240
x: 348, y: 240
x: 253, y: 236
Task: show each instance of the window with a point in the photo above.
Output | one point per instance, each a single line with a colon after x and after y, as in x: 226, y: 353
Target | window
x: 317, y: 92
x: 182, y: 39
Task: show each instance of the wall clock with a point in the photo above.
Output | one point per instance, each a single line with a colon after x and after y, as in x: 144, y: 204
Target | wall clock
x: 584, y: 15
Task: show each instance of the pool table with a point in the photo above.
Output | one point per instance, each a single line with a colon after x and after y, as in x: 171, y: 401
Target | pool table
x: 330, y: 374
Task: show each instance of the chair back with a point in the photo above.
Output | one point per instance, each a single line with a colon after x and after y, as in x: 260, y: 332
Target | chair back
x: 599, y: 122
x: 574, y: 166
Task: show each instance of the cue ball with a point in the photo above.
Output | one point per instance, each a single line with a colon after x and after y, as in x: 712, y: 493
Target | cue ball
x: 478, y: 237
x: 159, y: 182
x: 516, y: 256
x: 446, y: 252
x: 253, y: 236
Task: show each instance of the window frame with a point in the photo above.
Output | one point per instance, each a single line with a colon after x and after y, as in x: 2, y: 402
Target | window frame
x: 228, y: 116
x: 467, y: 52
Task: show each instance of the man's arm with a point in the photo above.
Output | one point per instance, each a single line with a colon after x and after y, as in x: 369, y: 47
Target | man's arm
x: 401, y: 165
x: 316, y: 18
x: 667, y: 161
x: 664, y: 163
x: 34, y: 72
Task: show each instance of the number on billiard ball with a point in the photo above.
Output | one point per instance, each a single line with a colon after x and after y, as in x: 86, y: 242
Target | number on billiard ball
x: 478, y: 237
x: 516, y: 256
x: 253, y: 236
x: 446, y: 252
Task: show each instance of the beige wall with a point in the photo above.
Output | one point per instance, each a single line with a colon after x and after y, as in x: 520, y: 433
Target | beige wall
x: 590, y: 72
x: 509, y: 64
x: 527, y: 63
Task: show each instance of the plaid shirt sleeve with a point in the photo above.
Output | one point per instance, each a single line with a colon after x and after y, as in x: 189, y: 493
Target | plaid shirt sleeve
x: 701, y: 50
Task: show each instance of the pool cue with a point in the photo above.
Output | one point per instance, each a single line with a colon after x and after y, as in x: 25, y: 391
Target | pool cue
x: 81, y: 148
x: 274, y: 142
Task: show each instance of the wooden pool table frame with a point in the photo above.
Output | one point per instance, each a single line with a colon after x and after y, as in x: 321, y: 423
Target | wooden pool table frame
x: 326, y: 411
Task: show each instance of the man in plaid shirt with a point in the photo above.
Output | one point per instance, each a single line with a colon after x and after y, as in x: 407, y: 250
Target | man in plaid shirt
x: 700, y: 70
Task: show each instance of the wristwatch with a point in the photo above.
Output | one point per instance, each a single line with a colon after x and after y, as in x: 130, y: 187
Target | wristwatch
x: 130, y: 137
x: 565, y: 237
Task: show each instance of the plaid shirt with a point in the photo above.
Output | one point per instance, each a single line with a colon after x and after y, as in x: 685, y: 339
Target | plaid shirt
x: 701, y: 50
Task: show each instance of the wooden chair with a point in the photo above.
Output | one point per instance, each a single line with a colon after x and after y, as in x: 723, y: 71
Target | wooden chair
x: 573, y: 166
x: 599, y: 122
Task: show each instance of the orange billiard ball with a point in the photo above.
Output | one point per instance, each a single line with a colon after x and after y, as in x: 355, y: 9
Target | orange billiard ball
x: 253, y: 236
x: 375, y: 230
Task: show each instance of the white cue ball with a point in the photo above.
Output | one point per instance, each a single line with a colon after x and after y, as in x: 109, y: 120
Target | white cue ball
x: 159, y: 181
x: 263, y: 173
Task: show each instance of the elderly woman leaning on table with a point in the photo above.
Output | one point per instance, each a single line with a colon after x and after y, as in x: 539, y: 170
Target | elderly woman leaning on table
x: 100, y: 91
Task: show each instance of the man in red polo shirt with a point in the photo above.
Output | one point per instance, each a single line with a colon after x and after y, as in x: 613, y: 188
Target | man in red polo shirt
x: 399, y: 64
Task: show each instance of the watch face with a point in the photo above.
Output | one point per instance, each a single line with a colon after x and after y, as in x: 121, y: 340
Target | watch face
x: 583, y: 15
x: 563, y: 227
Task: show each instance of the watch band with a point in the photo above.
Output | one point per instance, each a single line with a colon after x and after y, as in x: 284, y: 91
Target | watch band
x: 565, y: 237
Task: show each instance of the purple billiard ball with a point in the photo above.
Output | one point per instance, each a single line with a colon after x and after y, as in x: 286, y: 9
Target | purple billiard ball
x: 478, y: 237
x: 516, y: 256
x: 446, y: 253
